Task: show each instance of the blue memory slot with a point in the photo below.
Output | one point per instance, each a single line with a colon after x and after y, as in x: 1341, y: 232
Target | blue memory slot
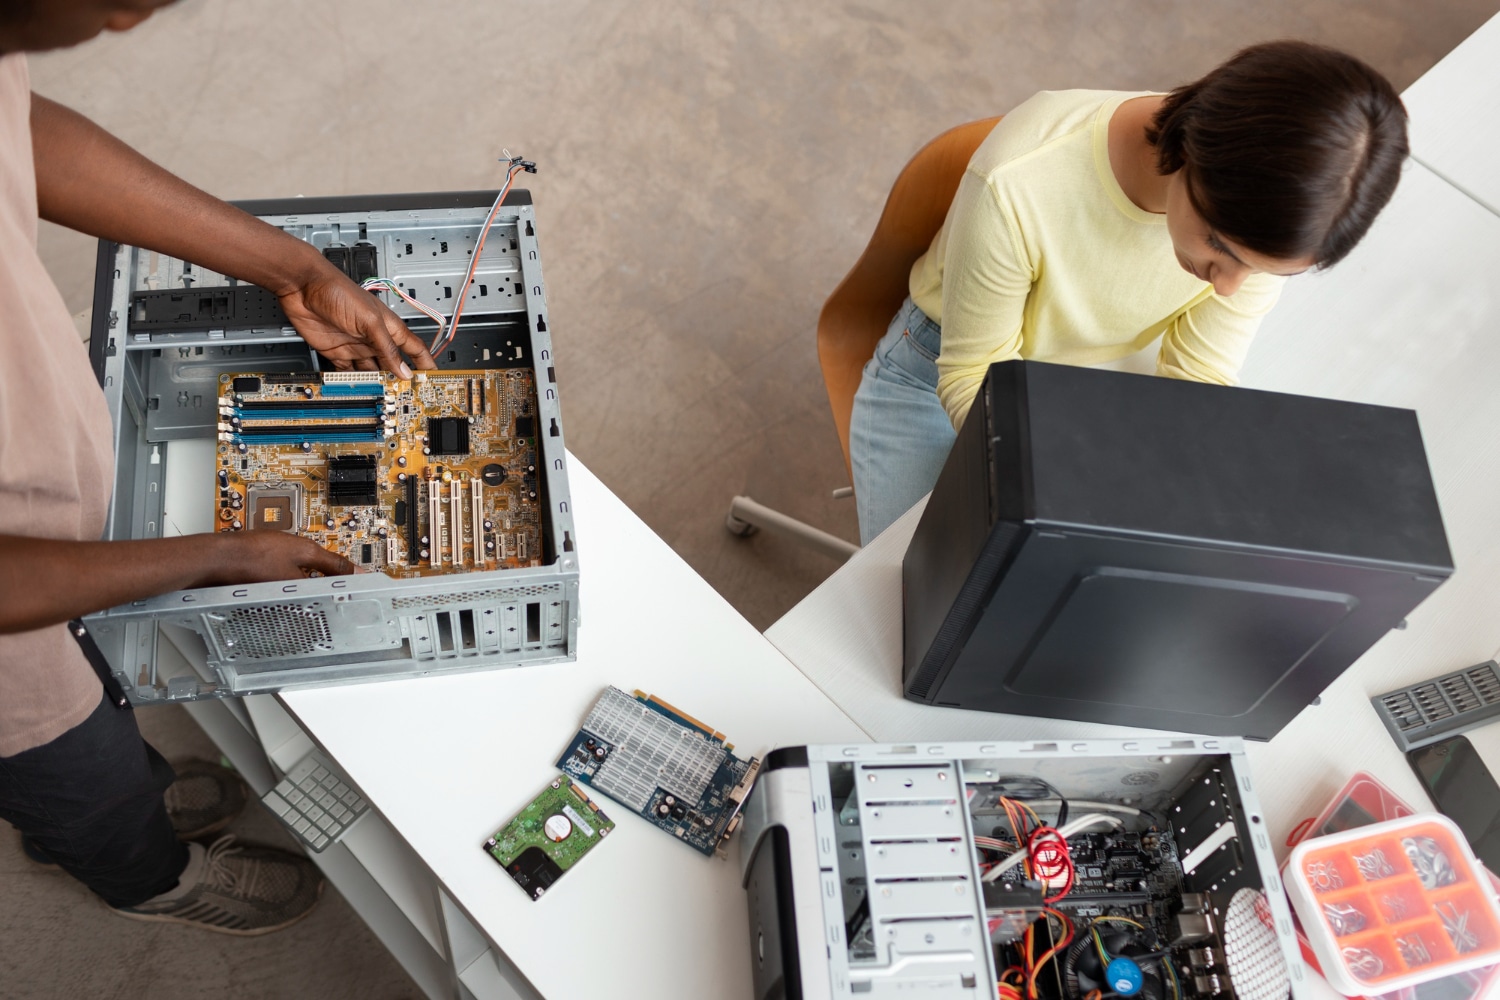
x: 353, y: 389
x: 354, y: 411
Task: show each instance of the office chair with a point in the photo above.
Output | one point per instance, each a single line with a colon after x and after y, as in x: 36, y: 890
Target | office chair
x: 859, y: 311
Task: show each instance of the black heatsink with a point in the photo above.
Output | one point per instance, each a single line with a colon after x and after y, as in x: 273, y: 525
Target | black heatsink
x: 351, y: 481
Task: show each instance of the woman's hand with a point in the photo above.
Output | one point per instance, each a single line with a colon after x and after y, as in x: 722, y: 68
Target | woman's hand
x: 349, y: 326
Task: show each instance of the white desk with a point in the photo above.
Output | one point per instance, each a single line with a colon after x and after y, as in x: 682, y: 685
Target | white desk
x: 447, y: 760
x: 1455, y: 116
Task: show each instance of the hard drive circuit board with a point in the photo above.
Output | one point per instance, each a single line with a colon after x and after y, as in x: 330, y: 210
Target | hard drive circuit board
x: 432, y: 475
x: 547, y: 838
x: 676, y: 773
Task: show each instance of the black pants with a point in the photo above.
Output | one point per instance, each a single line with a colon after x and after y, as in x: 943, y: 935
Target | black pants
x: 92, y: 799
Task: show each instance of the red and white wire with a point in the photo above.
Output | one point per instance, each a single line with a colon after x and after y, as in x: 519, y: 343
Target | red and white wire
x: 445, y: 338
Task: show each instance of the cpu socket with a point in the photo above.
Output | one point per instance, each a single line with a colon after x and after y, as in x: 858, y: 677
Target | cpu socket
x: 274, y: 506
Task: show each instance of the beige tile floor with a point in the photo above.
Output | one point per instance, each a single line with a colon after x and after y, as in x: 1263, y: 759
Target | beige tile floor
x: 708, y: 172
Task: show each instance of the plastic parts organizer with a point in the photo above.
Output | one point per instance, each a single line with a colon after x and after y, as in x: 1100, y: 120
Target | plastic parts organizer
x: 1394, y: 904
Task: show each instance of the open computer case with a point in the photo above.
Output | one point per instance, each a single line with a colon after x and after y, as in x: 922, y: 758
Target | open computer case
x: 865, y: 878
x: 165, y: 333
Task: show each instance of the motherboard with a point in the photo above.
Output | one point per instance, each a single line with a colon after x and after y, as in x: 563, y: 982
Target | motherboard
x: 1135, y: 874
x: 675, y: 772
x: 431, y: 475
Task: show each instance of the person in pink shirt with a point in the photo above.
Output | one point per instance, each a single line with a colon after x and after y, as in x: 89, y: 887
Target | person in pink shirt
x: 86, y: 792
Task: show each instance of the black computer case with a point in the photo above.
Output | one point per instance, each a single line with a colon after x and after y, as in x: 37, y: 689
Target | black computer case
x: 1158, y: 553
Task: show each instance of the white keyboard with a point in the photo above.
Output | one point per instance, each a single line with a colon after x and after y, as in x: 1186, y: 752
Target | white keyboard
x: 317, y: 801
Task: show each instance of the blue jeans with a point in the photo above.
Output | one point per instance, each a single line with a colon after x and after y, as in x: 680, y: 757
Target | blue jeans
x: 899, y: 434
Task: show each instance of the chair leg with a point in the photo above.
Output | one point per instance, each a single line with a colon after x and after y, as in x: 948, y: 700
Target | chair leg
x: 746, y: 517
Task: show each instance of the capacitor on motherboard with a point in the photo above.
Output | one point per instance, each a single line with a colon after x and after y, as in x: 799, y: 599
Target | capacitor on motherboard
x: 223, y: 479
x: 307, y: 446
x: 330, y: 524
x: 401, y: 461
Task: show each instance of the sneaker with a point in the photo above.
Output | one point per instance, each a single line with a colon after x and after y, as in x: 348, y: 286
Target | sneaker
x: 232, y: 888
x: 204, y: 799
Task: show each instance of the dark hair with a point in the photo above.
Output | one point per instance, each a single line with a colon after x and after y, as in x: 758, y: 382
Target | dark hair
x: 16, y: 11
x: 1289, y: 149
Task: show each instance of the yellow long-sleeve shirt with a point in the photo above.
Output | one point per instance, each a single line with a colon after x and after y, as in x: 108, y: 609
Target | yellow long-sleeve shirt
x: 1044, y: 257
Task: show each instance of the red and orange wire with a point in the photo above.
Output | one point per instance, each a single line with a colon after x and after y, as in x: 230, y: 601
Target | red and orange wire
x: 1034, y: 966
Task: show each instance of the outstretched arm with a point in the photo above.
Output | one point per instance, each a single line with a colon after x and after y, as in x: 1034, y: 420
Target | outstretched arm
x: 45, y: 581
x: 88, y: 180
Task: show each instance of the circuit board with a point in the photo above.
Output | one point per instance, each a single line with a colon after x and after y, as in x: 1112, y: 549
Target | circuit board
x: 676, y: 773
x: 547, y: 838
x: 436, y: 474
x: 1135, y: 874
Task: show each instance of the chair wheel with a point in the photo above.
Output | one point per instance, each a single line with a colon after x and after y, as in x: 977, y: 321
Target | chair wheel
x: 744, y: 529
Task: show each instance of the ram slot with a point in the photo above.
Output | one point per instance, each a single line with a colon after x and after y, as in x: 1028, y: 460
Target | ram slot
x: 294, y: 433
x: 476, y: 520
x: 435, y: 520
x: 340, y: 407
x: 456, y: 519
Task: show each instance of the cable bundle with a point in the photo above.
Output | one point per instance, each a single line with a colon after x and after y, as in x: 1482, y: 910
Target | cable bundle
x: 448, y: 329
x: 1043, y: 852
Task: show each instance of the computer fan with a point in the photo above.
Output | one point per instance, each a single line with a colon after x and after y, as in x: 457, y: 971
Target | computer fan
x: 1116, y: 955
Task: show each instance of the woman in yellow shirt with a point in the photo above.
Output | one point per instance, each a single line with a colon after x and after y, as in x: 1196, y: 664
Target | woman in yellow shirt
x: 1091, y: 223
